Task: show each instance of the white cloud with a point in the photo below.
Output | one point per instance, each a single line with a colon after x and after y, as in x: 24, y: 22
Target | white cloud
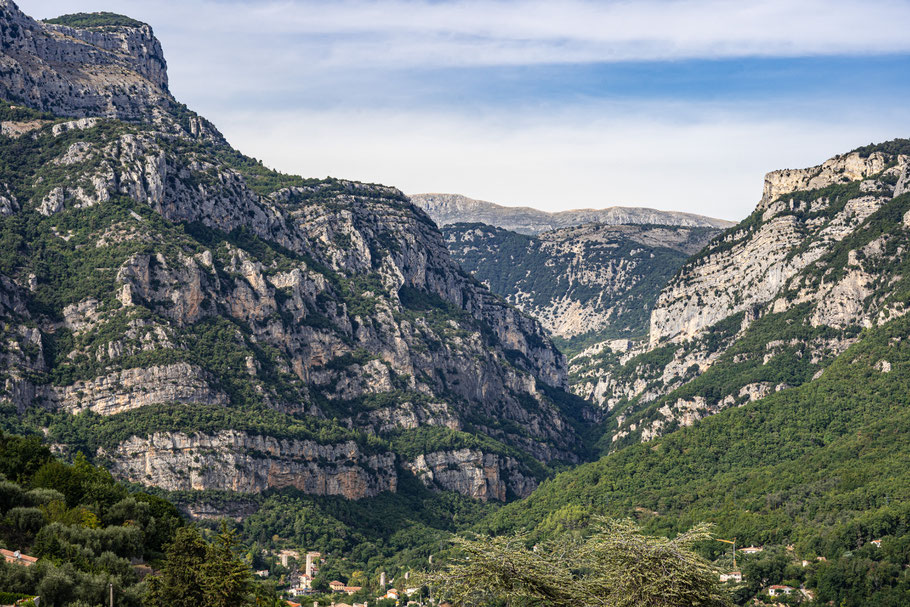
x: 402, y: 33
x: 231, y: 60
x: 713, y: 165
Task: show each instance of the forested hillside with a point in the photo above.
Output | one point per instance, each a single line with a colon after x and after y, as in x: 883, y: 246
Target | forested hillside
x: 822, y: 468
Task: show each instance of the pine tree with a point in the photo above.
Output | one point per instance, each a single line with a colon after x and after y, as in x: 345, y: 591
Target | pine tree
x: 226, y: 578
x: 179, y: 583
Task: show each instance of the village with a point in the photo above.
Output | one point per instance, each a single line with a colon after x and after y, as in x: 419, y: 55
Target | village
x: 303, y: 586
x: 303, y: 583
x: 304, y: 567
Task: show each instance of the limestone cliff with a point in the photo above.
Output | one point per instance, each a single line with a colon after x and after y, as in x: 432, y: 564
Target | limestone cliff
x: 116, y: 71
x: 242, y: 463
x: 767, y: 305
x: 471, y: 472
x: 166, y: 291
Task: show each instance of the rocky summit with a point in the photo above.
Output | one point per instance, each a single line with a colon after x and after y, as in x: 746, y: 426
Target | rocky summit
x: 197, y: 321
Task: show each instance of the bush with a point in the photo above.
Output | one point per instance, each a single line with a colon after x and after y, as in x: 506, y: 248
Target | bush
x: 94, y: 20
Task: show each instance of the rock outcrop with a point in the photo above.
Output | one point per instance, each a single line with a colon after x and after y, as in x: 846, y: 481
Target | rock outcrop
x: 483, y: 476
x: 236, y: 461
x: 113, y: 71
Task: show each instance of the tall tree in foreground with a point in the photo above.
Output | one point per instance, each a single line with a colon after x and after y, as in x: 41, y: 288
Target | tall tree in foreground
x: 199, y: 573
x: 614, y: 566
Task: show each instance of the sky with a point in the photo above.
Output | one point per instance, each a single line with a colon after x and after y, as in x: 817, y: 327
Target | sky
x: 671, y: 104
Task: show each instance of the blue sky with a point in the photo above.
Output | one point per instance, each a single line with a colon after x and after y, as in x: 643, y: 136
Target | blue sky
x: 673, y: 104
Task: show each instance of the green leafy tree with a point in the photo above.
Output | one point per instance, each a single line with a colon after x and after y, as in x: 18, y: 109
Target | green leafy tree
x: 615, y: 565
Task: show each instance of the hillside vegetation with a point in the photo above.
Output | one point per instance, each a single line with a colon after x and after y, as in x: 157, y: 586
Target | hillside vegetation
x: 822, y: 467
x: 92, y: 20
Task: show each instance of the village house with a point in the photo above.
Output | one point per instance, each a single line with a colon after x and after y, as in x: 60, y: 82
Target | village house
x: 733, y: 576
x: 337, y: 586
x: 877, y: 543
x: 18, y: 558
x: 391, y: 594
x: 778, y: 590
x: 751, y: 549
x: 301, y: 584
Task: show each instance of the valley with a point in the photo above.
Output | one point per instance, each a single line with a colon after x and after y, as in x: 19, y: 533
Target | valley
x: 200, y: 355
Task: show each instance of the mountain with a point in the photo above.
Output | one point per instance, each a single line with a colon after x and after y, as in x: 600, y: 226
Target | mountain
x: 815, y: 475
x: 85, y: 65
x: 447, y: 209
x: 585, y: 284
x: 770, y: 303
x: 197, y: 321
x: 770, y: 398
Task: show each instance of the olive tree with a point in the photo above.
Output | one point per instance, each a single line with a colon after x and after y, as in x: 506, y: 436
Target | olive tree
x: 615, y: 565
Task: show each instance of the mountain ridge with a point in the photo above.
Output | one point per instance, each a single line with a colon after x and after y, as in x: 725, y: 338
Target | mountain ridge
x: 200, y: 322
x: 446, y: 209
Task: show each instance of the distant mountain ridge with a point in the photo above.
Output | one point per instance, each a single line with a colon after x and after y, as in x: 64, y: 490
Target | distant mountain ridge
x: 447, y: 209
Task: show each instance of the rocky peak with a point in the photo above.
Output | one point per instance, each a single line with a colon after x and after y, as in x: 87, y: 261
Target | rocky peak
x: 840, y: 169
x: 85, y: 65
x: 137, y: 45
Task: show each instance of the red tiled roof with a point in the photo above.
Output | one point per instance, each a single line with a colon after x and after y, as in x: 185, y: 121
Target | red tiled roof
x: 18, y: 557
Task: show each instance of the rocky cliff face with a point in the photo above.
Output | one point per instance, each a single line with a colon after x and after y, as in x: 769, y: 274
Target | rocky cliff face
x: 770, y: 303
x: 447, y: 209
x: 584, y: 284
x: 186, y: 298
x: 116, y: 71
x: 236, y: 461
x: 472, y: 472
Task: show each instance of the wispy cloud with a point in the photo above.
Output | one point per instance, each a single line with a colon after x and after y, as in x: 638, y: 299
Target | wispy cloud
x: 678, y: 104
x: 520, y: 32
